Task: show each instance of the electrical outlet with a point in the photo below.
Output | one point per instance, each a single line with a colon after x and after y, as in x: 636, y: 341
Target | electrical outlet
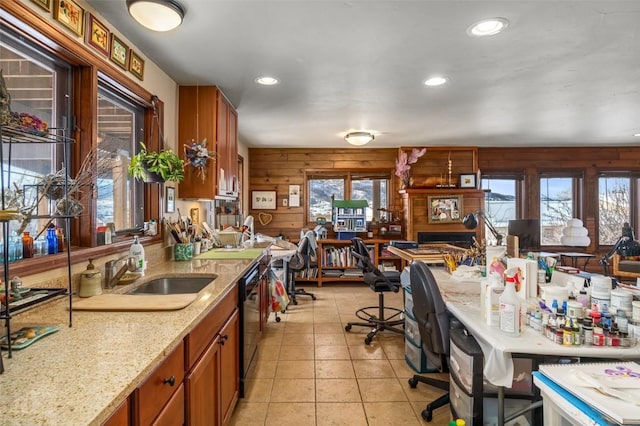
x: 285, y: 202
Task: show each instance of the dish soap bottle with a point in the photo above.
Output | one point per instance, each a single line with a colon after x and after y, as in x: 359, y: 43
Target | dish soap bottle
x: 510, y: 319
x: 90, y: 281
x: 137, y: 251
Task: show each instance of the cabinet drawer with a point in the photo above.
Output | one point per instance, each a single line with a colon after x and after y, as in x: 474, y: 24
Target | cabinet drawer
x: 411, y: 331
x: 202, y: 334
x: 464, y: 406
x: 157, y: 389
x: 172, y: 413
x: 415, y: 357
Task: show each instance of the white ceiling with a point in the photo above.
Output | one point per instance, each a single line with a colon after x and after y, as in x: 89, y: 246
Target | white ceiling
x: 564, y: 73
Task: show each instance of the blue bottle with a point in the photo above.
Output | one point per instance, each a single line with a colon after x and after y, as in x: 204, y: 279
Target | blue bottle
x: 52, y: 241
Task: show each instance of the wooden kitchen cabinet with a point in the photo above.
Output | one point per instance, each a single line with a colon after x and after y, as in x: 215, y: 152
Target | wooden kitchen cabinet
x: 212, y: 383
x: 204, y: 112
x: 155, y: 395
x: 120, y: 416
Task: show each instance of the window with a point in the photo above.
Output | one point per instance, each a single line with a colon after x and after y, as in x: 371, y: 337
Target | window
x: 501, y: 202
x: 370, y: 186
x: 614, y: 206
x: 120, y: 127
x: 39, y: 85
x: 558, y: 204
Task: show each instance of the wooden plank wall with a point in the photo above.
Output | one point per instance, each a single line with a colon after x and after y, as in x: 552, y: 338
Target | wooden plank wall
x: 276, y: 169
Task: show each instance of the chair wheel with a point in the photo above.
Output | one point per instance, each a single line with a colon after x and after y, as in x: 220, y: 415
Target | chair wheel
x: 294, y: 301
x: 367, y: 340
x: 277, y: 319
x: 413, y: 383
x: 347, y: 327
x: 313, y: 297
x: 427, y: 415
x: 283, y: 311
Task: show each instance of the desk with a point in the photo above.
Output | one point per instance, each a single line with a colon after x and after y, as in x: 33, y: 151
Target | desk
x: 462, y: 299
x: 431, y: 253
x: 574, y: 257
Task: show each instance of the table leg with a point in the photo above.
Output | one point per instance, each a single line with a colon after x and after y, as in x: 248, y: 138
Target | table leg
x: 500, y: 405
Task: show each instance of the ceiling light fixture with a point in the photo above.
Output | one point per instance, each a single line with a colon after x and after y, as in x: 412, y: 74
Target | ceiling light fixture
x: 359, y: 138
x: 435, y: 81
x: 488, y: 27
x: 157, y: 15
x: 265, y: 80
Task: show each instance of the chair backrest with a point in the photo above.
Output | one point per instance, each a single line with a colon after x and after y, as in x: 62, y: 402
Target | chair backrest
x: 361, y: 253
x: 300, y: 260
x: 431, y: 314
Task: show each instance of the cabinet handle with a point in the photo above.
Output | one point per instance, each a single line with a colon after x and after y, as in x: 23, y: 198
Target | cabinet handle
x: 171, y: 381
x: 223, y: 339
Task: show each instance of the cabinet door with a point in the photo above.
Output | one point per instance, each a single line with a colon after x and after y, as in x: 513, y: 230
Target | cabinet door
x: 173, y: 413
x: 120, y: 417
x: 229, y: 366
x: 151, y: 397
x: 222, y: 144
x: 202, y: 393
x: 233, y: 151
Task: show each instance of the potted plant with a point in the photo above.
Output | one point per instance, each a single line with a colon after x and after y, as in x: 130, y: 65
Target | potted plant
x: 156, y: 166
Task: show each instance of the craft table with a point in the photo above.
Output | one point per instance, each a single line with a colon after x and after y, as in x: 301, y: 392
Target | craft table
x: 575, y: 257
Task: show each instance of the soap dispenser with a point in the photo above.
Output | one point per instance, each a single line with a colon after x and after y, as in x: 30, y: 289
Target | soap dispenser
x: 90, y: 281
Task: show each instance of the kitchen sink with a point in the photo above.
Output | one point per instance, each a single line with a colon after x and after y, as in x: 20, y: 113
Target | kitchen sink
x: 173, y: 285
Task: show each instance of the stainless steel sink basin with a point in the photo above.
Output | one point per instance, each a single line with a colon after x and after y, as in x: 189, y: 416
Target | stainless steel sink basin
x: 172, y: 285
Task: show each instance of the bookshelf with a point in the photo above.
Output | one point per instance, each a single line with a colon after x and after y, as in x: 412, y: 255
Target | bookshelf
x: 335, y: 263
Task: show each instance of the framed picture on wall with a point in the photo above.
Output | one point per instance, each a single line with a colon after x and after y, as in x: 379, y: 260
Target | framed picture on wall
x: 119, y: 52
x: 98, y: 36
x: 45, y: 4
x: 136, y: 65
x: 468, y: 180
x: 263, y: 200
x: 69, y: 14
x: 444, y: 208
x: 170, y: 199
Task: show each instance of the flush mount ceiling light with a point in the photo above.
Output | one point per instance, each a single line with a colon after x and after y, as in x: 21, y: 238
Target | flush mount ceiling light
x: 488, y: 27
x: 265, y: 80
x: 435, y: 81
x: 157, y: 15
x: 359, y: 138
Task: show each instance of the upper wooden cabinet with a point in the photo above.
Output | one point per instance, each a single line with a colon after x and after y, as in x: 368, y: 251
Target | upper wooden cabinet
x: 204, y: 112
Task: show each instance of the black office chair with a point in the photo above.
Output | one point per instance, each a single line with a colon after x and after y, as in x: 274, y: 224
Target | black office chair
x: 433, y: 322
x: 299, y: 262
x: 380, y: 282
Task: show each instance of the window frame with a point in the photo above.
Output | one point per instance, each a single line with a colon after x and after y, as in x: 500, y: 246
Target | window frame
x: 348, y: 176
x: 86, y: 69
x: 577, y: 196
x: 634, y: 198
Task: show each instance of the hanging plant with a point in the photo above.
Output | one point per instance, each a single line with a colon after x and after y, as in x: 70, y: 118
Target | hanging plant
x: 164, y: 163
x: 198, y: 156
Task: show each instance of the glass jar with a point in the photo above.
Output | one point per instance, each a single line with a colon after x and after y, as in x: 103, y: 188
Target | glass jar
x: 27, y: 245
x: 52, y: 241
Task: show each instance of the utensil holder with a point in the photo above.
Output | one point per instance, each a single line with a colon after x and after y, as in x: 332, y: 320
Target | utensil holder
x: 183, y: 251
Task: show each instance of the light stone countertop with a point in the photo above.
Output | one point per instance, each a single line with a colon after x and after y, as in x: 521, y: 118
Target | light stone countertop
x: 79, y: 375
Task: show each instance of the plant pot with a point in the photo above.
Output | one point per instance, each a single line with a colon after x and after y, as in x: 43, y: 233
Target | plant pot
x: 152, y: 177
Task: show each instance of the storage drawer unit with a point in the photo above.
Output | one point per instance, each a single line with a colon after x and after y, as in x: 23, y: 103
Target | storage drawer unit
x: 465, y: 367
x: 415, y: 357
x: 411, y: 330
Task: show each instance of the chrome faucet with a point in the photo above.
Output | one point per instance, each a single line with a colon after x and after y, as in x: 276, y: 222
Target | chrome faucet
x: 112, y: 275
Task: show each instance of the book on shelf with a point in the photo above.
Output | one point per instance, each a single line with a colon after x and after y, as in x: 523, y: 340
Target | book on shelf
x: 612, y: 388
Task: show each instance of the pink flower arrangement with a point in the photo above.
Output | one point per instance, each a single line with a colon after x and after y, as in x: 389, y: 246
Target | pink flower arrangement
x: 404, y: 161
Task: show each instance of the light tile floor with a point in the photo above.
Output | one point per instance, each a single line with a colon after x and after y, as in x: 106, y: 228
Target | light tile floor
x: 310, y: 371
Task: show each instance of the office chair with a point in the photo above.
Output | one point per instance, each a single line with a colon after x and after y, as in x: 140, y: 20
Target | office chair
x: 299, y: 262
x: 380, y: 282
x: 433, y: 322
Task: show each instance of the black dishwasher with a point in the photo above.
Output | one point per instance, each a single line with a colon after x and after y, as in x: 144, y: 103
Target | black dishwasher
x: 249, y: 300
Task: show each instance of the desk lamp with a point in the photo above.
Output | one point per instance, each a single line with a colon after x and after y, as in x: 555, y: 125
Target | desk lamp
x: 470, y: 221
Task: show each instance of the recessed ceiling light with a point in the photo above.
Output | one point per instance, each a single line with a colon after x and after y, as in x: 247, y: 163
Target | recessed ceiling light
x: 435, y: 81
x: 636, y: 135
x: 488, y: 27
x: 265, y: 80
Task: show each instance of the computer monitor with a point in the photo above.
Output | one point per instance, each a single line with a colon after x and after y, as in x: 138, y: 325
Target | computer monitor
x: 527, y: 231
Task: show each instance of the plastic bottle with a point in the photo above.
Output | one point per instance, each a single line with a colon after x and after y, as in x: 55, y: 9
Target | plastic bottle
x: 510, y: 318
x: 491, y: 299
x: 137, y: 250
